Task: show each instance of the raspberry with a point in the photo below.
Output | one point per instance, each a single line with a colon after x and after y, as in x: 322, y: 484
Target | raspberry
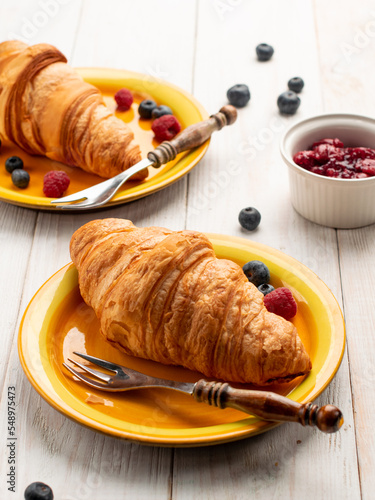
x: 281, y: 302
x: 55, y: 183
x: 305, y: 159
x: 346, y: 174
x: 318, y: 170
x: 124, y: 99
x: 166, y: 127
x: 324, y: 152
x: 367, y: 167
x: 362, y: 153
x: 333, y: 142
x: 332, y: 172
x: 328, y: 157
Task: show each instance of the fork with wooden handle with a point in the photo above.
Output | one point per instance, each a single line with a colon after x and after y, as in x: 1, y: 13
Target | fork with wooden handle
x: 265, y: 405
x: 192, y: 137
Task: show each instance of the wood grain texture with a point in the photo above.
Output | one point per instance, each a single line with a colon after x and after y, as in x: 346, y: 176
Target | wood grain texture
x: 16, y: 239
x: 346, y: 59
x: 242, y: 168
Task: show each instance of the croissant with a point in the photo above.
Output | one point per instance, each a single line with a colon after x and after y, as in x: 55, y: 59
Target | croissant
x: 47, y: 109
x: 163, y: 295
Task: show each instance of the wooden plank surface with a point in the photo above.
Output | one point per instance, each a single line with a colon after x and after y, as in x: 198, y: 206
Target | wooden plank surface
x: 205, y: 47
x: 346, y: 58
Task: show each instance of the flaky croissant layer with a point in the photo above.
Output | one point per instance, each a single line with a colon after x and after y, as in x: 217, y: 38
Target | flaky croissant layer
x: 163, y: 295
x: 47, y: 109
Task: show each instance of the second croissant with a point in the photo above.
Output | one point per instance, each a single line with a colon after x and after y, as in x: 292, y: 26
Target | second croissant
x: 163, y: 295
x: 47, y: 109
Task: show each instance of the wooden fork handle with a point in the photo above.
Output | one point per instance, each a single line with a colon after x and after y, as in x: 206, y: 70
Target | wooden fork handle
x: 193, y: 136
x: 268, y: 405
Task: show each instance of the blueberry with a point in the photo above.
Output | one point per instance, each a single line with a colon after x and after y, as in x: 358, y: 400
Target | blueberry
x: 239, y: 95
x: 264, y: 51
x: 296, y: 84
x: 20, y: 178
x: 146, y: 107
x: 38, y: 491
x: 161, y: 111
x: 266, y: 288
x: 249, y: 218
x: 13, y: 163
x: 288, y: 102
x: 256, y: 272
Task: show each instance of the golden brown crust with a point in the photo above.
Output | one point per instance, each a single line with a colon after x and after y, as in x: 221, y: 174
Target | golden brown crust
x: 47, y: 109
x: 163, y: 295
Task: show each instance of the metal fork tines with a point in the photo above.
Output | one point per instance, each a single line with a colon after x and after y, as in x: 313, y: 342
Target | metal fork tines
x: 122, y: 378
x: 101, y: 193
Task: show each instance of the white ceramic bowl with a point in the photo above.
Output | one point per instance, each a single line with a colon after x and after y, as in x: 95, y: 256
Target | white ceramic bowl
x: 339, y: 203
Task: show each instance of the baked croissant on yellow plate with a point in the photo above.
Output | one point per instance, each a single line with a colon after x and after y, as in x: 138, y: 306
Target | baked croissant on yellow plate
x: 47, y: 109
x: 163, y: 295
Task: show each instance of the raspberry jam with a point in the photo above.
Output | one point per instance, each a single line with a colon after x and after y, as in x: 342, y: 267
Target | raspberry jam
x: 330, y: 158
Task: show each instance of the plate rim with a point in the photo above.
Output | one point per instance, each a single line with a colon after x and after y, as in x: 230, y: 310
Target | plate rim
x: 89, y: 74
x: 252, y: 428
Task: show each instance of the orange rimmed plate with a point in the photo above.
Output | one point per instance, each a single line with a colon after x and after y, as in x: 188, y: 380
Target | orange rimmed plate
x: 184, y: 106
x: 58, y: 322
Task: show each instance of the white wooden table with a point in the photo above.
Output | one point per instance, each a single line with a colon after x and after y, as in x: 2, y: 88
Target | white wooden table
x: 205, y: 47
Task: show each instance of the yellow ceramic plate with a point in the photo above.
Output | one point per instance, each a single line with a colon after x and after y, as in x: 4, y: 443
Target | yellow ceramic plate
x: 185, y: 107
x: 57, y: 322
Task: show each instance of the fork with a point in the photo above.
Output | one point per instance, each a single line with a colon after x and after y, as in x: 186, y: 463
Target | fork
x: 265, y: 405
x: 192, y: 137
